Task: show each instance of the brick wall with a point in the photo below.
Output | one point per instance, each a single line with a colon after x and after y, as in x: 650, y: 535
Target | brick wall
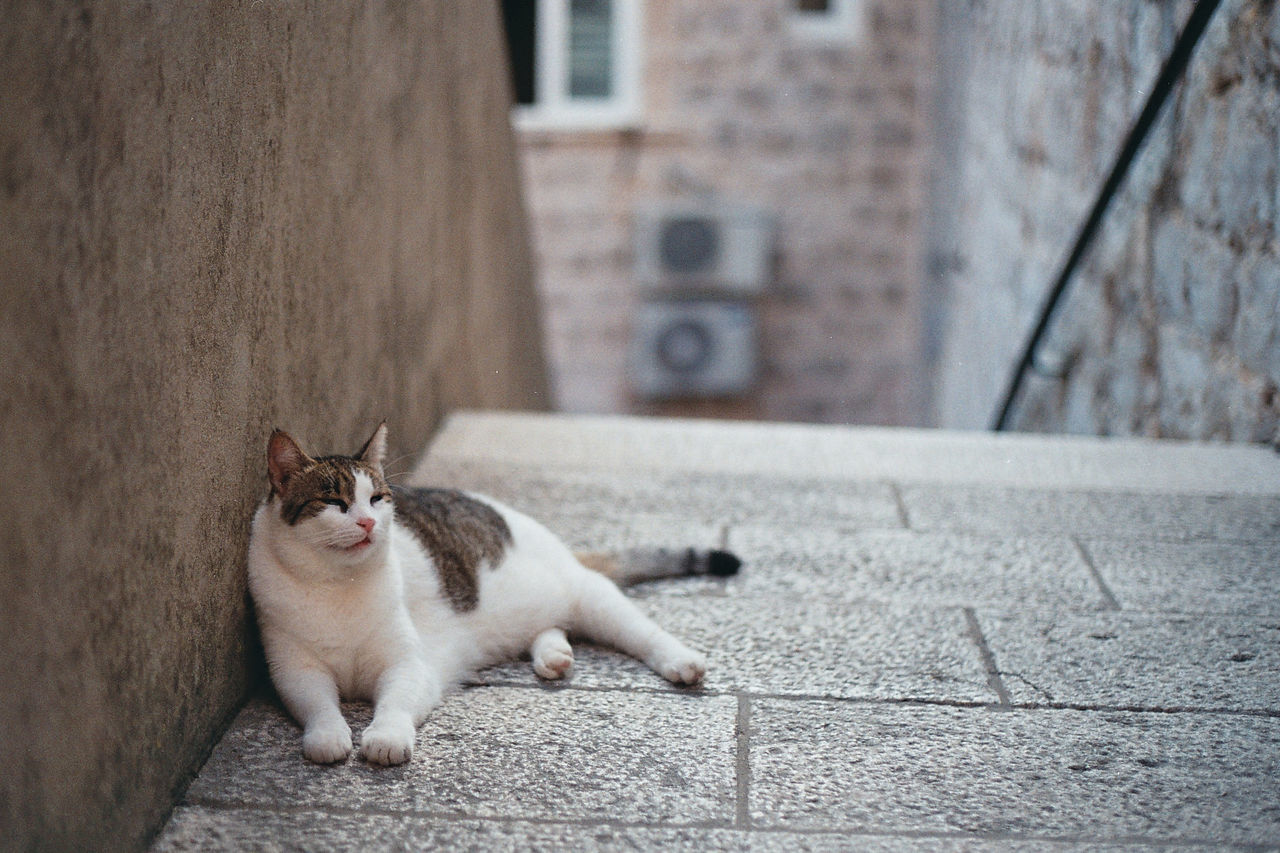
x: 829, y: 136
x: 1171, y: 326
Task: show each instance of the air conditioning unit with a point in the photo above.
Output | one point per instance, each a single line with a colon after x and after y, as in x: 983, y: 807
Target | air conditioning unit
x: 722, y: 249
x: 692, y: 348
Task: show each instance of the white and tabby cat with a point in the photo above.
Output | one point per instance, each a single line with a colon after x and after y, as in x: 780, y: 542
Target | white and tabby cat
x: 371, y: 591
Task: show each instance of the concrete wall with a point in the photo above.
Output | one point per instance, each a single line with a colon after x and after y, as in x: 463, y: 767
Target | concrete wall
x: 217, y: 218
x: 739, y: 106
x: 1171, y: 328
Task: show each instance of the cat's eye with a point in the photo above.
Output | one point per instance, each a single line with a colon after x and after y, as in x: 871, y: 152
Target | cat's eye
x: 376, y: 498
x: 338, y: 502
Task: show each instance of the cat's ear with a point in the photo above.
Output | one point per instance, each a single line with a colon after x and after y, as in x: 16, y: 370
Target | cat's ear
x: 375, y: 449
x: 284, y: 459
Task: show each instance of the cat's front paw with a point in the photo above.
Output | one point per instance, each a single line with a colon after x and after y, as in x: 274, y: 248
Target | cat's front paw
x: 325, y: 744
x: 387, y: 744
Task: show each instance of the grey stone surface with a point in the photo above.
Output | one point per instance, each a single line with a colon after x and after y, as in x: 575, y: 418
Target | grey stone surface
x: 561, y: 496
x: 608, y: 532
x: 198, y: 829
x: 1053, y: 773
x: 802, y: 646
x: 1137, y: 660
x: 1174, y: 517
x: 494, y: 753
x: 1023, y: 160
x: 972, y: 686
x: 958, y: 570
x: 1232, y: 577
x: 1169, y: 325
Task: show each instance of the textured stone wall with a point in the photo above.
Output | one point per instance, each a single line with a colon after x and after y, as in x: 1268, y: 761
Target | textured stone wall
x: 1170, y: 328
x: 829, y: 135
x: 217, y: 218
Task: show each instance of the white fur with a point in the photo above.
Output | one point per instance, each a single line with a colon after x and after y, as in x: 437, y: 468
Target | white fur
x: 374, y: 625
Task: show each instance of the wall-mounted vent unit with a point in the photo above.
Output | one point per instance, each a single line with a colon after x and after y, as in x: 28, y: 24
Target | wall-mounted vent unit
x: 723, y: 249
x: 694, y: 348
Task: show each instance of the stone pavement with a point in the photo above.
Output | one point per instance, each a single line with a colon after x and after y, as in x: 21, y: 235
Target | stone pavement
x: 939, y: 640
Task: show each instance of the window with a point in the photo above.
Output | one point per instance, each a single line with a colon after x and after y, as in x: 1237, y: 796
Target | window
x: 575, y: 63
x: 831, y: 19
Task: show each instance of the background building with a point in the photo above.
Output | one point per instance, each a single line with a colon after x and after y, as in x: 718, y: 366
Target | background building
x: 813, y: 115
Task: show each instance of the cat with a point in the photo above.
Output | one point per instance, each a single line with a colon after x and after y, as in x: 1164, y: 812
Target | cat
x: 366, y: 590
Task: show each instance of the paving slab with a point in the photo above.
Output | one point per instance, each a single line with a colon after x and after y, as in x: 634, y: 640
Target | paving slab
x: 1115, y: 515
x: 495, y: 753
x: 1056, y: 774
x: 604, y: 533
x: 195, y: 828
x: 947, y: 569
x: 565, y: 495
x: 1232, y: 577
x: 1137, y: 659
x: 807, y: 647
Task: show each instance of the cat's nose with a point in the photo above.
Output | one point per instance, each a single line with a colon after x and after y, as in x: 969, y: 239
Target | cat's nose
x: 366, y: 524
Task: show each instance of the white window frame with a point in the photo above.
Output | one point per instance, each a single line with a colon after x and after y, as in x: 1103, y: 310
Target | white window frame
x: 841, y: 22
x: 553, y: 108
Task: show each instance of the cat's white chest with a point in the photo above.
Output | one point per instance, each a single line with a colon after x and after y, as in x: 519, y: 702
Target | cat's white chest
x: 351, y: 633
x: 350, y: 627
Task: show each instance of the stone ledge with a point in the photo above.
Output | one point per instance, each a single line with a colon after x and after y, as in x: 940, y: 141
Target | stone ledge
x: 619, y: 443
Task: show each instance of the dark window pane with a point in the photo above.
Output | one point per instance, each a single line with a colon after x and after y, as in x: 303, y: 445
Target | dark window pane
x: 590, y: 48
x: 520, y: 18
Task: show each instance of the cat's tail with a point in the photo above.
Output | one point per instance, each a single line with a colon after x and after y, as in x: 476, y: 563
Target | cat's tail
x: 636, y: 565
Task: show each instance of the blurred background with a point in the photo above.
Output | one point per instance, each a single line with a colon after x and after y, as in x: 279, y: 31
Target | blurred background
x: 851, y: 211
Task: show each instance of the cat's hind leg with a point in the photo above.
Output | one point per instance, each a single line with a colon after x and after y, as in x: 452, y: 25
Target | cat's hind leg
x: 607, y: 616
x: 552, y: 655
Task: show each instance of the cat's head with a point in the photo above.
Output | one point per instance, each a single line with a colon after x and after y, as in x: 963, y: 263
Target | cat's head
x: 338, y: 505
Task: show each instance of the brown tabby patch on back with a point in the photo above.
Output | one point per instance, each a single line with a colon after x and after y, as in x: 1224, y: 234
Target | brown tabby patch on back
x: 459, y: 532
x: 328, y: 477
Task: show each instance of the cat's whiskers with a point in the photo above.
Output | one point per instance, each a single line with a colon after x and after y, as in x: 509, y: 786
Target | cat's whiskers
x: 397, y: 460
x: 388, y: 476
